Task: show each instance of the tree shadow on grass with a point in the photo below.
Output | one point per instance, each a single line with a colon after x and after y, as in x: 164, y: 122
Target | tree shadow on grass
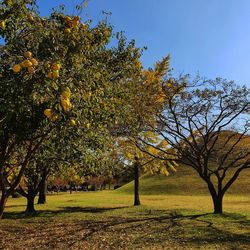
x: 237, y: 218
x: 197, y: 229
x: 60, y: 211
x: 155, y: 228
x: 11, y: 206
x: 191, y: 230
x: 219, y: 235
x: 206, y: 229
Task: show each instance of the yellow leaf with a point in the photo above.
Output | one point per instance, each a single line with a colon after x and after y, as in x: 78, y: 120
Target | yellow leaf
x: 65, y: 102
x: 16, y: 68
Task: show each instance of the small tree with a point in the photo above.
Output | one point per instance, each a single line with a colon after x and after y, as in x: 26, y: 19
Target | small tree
x: 145, y: 158
x: 31, y: 184
x: 150, y: 103
x: 51, y: 157
x: 207, y: 126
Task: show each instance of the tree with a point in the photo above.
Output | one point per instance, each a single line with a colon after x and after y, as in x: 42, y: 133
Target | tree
x: 31, y: 184
x: 56, y: 73
x: 153, y: 96
x: 145, y: 158
x: 42, y: 192
x: 207, y: 125
x: 52, y: 157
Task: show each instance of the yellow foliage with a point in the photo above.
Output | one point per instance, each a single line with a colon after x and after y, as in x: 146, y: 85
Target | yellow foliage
x: 197, y: 133
x: 88, y: 125
x: 67, y: 31
x: 16, y: 68
x: 50, y: 115
x: 153, y: 82
x: 175, y: 164
x: 54, y: 118
x: 27, y: 54
x: 150, y: 137
x: 31, y: 70
x: 56, y: 66
x: 153, y: 150
x: 66, y: 93
x: 75, y: 22
x: 26, y: 63
x: 2, y: 24
x: 30, y: 17
x: 50, y: 75
x: 160, y: 99
x: 129, y: 156
x: 171, y: 166
x: 98, y: 75
x: 67, y: 19
x: 66, y: 104
x: 72, y: 122
x: 163, y: 144
x: 164, y: 171
x: 53, y: 74
x: 34, y: 61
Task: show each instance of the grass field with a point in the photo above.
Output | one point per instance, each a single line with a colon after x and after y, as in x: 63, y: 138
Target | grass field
x: 185, y: 182
x: 107, y: 220
x: 176, y: 214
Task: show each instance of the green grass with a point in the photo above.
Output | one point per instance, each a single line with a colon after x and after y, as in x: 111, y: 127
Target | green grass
x: 176, y: 214
x: 107, y: 220
x: 184, y: 182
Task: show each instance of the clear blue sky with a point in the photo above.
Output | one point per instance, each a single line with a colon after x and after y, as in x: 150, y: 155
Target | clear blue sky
x: 210, y: 37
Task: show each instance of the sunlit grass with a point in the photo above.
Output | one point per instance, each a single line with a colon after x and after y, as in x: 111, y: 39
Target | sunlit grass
x: 108, y: 219
x: 184, y: 182
x: 200, y: 203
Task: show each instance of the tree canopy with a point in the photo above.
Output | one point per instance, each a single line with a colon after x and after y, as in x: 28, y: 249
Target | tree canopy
x: 207, y: 127
x: 60, y: 74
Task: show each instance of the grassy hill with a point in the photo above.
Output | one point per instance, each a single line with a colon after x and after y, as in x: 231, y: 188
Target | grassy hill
x: 184, y: 182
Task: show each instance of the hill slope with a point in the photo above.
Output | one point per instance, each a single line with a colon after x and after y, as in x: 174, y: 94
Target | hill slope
x: 184, y: 182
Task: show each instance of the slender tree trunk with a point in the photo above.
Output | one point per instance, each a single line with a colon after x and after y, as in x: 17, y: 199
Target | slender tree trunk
x: 4, y: 193
x: 42, y: 192
x: 3, y: 201
x: 136, y: 185
x: 30, y: 209
x: 70, y: 188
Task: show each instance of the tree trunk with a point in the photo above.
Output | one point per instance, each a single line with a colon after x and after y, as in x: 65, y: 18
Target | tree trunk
x: 217, y: 198
x: 217, y: 201
x: 42, y: 192
x: 136, y: 185
x: 4, y: 194
x: 70, y: 188
x: 3, y: 201
x: 30, y: 209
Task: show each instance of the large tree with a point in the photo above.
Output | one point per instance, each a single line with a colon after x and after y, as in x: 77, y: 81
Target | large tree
x: 207, y: 125
x: 57, y: 72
